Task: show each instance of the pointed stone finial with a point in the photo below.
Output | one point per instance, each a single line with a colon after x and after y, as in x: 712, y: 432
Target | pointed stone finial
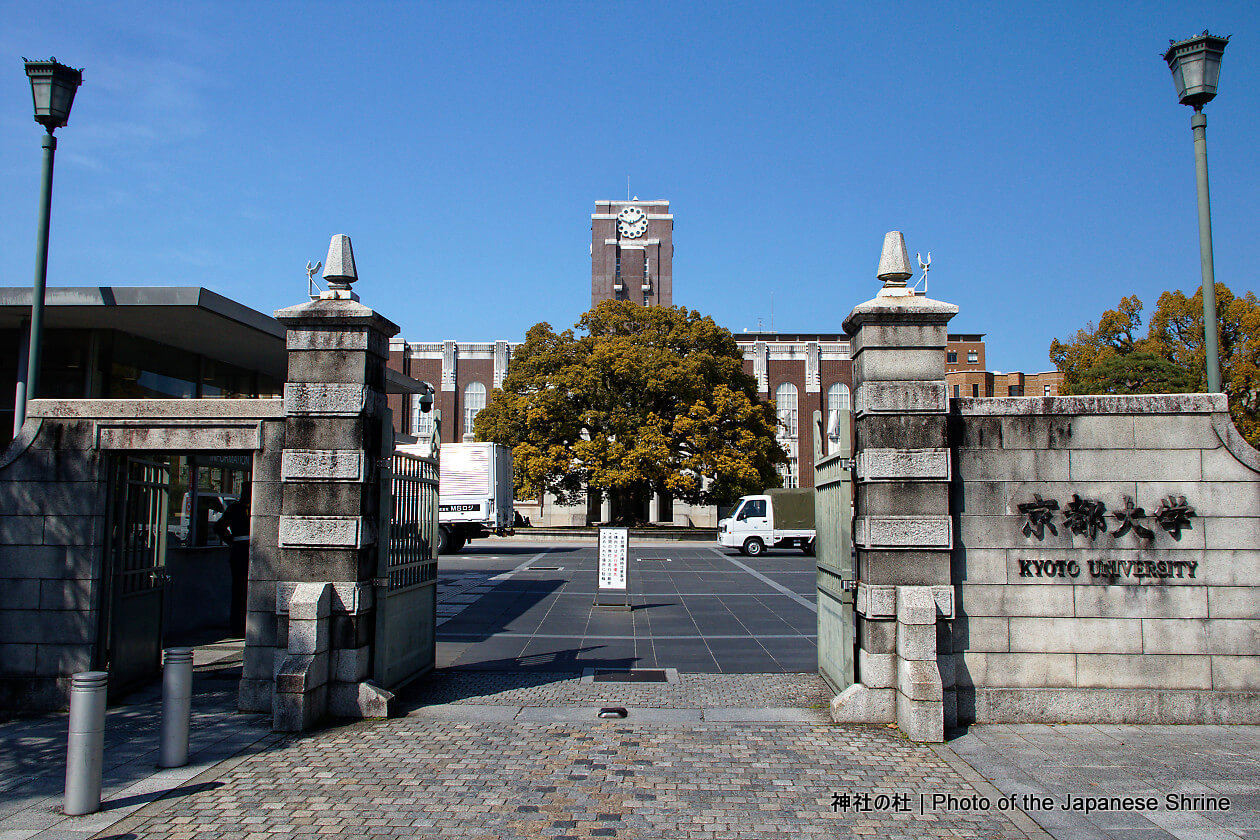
x: 339, y: 268
x: 894, y: 262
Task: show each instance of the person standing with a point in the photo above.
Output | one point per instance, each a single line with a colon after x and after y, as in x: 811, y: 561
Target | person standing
x: 233, y: 528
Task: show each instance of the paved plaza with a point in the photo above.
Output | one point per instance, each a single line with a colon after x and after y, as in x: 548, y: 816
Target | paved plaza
x: 505, y: 752
x: 696, y: 608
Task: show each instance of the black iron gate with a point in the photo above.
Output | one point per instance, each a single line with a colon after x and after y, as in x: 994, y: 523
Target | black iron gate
x: 135, y: 573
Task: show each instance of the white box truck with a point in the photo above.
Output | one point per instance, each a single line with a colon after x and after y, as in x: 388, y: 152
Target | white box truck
x: 780, y: 518
x: 474, y: 493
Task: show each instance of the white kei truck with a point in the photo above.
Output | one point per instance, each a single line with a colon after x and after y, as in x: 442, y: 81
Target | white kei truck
x: 779, y: 518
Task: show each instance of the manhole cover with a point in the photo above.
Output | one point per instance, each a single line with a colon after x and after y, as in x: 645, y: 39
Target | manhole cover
x: 634, y: 675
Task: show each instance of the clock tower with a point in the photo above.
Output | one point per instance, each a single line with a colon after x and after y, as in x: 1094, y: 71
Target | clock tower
x: 632, y: 252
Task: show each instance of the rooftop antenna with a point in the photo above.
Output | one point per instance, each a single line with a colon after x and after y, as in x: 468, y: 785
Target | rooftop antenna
x: 312, y: 288
x: 924, y: 267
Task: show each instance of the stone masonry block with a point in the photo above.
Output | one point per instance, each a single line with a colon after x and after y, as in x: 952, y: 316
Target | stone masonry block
x: 1016, y: 670
x: 326, y: 531
x: 1235, y: 637
x: 876, y: 601
x: 339, y: 366
x: 1034, y: 432
x: 915, y: 605
x: 901, y: 431
x: 902, y: 531
x: 900, y: 397
x: 919, y: 680
x: 1172, y: 465
x: 301, y: 432
x: 307, y: 601
x: 325, y: 498
x: 302, y: 673
x: 1208, y: 498
x: 21, y: 592
x: 323, y: 465
x: 1227, y: 533
x: 360, y: 700
x: 350, y: 666
x: 326, y: 399
x: 1143, y: 671
x: 877, y: 636
x: 903, y: 465
x: 983, y: 635
x: 1015, y: 600
x: 903, y: 498
x: 979, y: 565
x: 921, y: 722
x: 893, y: 338
x: 63, y: 595
x: 17, y: 658
x: 877, y: 670
x: 299, y: 712
x: 1139, y: 601
x: 1220, y: 465
x: 1190, y: 431
x: 861, y: 704
x: 307, y: 636
x: 916, y: 642
x: 1075, y: 635
x: 906, y: 567
x: 1174, y: 635
x: 1029, y: 465
x: 22, y: 530
x: 902, y: 365
x: 1233, y: 602
x: 1235, y: 673
x: 1108, y: 431
x: 63, y: 659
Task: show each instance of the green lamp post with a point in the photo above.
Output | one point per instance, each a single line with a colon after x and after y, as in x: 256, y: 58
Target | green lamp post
x: 53, y: 86
x: 1196, y: 67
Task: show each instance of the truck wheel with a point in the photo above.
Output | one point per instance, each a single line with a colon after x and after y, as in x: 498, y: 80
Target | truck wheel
x: 754, y: 547
x: 443, y: 540
x: 809, y: 546
x: 458, y: 541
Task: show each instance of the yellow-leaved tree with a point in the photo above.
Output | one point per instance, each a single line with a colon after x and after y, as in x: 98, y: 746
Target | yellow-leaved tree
x: 1110, y: 358
x: 639, y: 400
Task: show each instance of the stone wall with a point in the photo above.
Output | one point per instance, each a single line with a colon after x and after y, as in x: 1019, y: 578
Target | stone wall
x: 54, y: 490
x: 1144, y: 610
x: 52, y: 517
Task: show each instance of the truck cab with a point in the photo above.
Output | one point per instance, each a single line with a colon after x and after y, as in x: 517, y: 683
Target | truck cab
x: 777, y: 518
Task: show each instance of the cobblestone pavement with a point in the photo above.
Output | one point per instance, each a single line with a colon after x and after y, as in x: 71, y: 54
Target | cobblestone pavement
x: 459, y: 774
x: 33, y: 754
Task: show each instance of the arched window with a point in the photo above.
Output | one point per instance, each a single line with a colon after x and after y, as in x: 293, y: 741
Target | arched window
x: 837, y: 401
x: 785, y: 405
x: 474, y: 401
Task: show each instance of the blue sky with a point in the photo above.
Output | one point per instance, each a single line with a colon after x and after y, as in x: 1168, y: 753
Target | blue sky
x: 1036, y: 149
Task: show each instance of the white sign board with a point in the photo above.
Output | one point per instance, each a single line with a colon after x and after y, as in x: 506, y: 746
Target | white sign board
x: 614, y: 555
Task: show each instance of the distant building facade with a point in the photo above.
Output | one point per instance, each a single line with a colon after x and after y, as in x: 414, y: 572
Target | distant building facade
x: 632, y: 257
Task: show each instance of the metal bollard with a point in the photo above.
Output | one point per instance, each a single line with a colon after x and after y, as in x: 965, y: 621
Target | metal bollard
x: 177, y: 670
x: 85, y: 745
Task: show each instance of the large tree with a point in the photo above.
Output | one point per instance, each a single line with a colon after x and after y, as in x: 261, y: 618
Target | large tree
x: 1110, y: 358
x: 642, y: 400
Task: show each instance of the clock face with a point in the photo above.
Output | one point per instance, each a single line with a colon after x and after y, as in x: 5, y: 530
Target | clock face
x: 632, y: 223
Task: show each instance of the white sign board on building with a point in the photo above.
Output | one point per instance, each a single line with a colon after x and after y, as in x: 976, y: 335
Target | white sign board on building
x: 614, y: 568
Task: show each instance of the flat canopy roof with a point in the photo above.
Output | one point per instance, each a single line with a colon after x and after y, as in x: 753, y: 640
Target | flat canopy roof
x: 185, y: 317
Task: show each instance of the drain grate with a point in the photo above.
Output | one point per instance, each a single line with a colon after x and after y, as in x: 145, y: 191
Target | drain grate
x: 637, y: 675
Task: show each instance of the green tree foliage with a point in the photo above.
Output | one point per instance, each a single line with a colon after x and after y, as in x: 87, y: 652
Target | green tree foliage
x: 1110, y: 359
x: 646, y: 399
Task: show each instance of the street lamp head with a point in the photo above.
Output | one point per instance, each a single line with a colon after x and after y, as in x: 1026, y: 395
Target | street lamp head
x: 52, y: 86
x: 1196, y: 67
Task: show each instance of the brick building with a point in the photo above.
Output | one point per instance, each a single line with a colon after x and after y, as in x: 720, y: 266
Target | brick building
x: 632, y: 255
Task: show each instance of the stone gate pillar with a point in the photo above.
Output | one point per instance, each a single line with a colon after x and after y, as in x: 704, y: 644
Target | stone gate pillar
x: 902, y: 532
x: 310, y: 642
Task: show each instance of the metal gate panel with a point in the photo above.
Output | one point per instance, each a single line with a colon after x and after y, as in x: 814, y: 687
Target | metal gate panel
x: 833, y: 515
x: 406, y: 592
x: 136, y: 564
